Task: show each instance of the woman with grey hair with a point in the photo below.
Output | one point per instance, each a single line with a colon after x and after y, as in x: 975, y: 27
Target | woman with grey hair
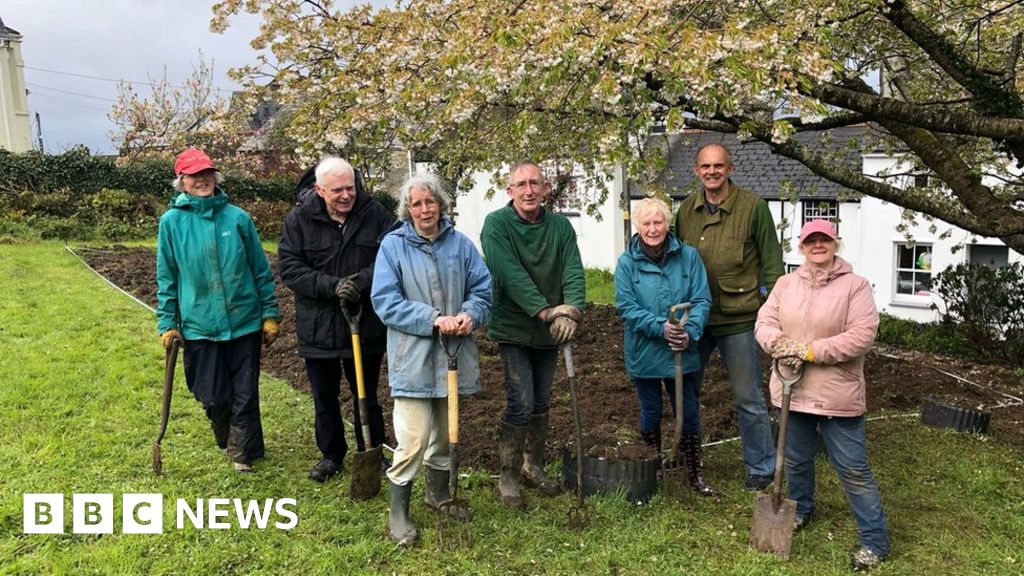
x: 656, y: 272
x: 429, y: 284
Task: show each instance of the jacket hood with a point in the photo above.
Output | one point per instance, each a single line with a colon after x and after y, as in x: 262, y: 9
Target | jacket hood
x: 186, y: 201
x: 818, y: 276
x: 636, y: 252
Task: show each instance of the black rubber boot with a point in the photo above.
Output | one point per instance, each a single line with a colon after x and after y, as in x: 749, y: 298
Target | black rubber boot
x: 652, y: 439
x: 533, y: 457
x: 438, y: 492
x: 400, y: 527
x: 510, y: 447
x: 690, y: 446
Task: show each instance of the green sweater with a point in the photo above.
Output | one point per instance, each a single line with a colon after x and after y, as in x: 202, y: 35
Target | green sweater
x: 533, y: 265
x: 741, y: 253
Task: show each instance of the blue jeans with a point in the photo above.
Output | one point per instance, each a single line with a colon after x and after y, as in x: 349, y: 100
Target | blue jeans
x: 529, y: 373
x: 648, y: 391
x: 844, y: 441
x: 742, y: 356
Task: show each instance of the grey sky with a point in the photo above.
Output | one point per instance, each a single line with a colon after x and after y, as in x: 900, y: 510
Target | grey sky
x: 113, y: 39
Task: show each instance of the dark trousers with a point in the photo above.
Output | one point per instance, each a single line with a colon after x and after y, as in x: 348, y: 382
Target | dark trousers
x: 648, y: 391
x: 325, y: 379
x: 225, y: 378
x: 529, y: 373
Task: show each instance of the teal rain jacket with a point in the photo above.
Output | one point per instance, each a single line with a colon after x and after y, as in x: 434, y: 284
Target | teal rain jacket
x: 213, y: 279
x: 644, y: 291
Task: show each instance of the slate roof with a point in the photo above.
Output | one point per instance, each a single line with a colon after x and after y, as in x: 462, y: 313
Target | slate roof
x: 5, y: 31
x: 756, y: 168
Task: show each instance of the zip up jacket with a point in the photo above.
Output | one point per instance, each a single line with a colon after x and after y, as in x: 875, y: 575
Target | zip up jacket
x: 314, y: 254
x: 740, y: 250
x: 834, y: 311
x: 644, y: 291
x: 213, y: 279
x: 415, y: 281
x: 533, y: 265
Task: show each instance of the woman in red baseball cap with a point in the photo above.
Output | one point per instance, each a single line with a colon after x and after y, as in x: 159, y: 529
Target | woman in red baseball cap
x: 822, y: 318
x: 215, y: 293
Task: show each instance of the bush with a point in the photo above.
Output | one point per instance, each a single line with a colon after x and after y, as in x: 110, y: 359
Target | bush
x: 935, y: 337
x: 985, y: 305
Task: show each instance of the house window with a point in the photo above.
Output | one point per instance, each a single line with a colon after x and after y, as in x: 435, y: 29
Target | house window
x: 791, y: 268
x: 821, y: 210
x: 994, y: 256
x: 913, y: 269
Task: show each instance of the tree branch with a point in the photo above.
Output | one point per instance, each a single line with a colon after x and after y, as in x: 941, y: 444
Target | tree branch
x: 991, y: 96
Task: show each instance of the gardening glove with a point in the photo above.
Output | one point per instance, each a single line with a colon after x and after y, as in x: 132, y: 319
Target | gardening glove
x: 271, y: 330
x: 348, y: 290
x: 562, y: 329
x: 790, y: 352
x: 566, y: 310
x: 168, y: 336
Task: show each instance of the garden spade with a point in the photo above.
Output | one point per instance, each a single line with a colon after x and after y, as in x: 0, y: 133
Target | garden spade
x: 453, y: 527
x: 579, y: 515
x: 771, y: 529
x: 674, y: 312
x: 366, y: 463
x: 165, y: 413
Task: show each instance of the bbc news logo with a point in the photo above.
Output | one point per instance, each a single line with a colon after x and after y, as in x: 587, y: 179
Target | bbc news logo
x: 144, y: 513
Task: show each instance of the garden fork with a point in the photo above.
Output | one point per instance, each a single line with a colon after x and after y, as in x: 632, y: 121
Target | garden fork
x: 452, y: 527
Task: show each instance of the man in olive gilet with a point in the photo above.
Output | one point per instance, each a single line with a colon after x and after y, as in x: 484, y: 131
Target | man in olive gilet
x: 733, y: 230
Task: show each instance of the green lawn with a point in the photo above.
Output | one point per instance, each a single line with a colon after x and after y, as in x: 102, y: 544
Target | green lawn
x: 80, y: 381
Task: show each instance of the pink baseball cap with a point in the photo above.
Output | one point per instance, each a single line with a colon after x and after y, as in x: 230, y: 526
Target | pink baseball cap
x: 192, y: 161
x: 820, y: 227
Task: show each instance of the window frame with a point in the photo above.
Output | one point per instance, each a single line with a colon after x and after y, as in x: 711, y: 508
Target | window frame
x: 918, y: 248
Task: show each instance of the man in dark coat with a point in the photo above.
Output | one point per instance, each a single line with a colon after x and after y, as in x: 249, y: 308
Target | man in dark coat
x: 326, y: 257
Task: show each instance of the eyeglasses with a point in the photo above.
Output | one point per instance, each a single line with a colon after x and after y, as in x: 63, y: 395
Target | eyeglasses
x: 522, y: 184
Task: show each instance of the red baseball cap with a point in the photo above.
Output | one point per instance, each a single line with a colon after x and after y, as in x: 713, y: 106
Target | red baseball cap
x: 818, y: 227
x: 192, y: 161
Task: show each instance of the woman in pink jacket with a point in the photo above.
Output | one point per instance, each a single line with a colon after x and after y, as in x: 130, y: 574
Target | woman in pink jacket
x: 823, y: 316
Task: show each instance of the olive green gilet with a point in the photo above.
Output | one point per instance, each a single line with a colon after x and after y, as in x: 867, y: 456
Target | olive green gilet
x: 726, y: 244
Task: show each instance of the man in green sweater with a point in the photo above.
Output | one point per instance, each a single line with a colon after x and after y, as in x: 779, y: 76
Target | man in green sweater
x: 735, y: 235
x: 538, y: 290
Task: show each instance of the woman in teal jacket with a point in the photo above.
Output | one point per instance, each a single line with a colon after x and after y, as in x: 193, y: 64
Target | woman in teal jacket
x: 215, y: 293
x: 654, y: 273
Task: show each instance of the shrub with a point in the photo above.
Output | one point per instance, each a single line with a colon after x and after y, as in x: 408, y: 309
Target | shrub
x: 985, y: 305
x: 935, y: 337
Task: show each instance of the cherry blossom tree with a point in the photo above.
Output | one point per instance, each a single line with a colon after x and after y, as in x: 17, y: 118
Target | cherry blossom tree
x: 476, y: 84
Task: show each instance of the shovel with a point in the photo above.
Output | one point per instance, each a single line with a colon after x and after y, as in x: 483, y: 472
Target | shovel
x: 366, y: 463
x: 448, y: 535
x: 771, y: 529
x: 165, y: 413
x: 677, y: 434
x: 579, y: 515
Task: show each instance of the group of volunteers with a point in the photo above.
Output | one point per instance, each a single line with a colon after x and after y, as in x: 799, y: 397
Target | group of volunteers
x: 422, y: 288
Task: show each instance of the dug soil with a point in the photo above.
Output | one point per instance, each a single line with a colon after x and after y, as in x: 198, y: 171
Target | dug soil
x: 898, y: 381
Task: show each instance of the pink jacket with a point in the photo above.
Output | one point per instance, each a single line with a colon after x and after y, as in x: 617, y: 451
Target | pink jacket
x: 835, y: 312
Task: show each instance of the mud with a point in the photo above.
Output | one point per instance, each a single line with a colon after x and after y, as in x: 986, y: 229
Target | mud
x: 898, y: 381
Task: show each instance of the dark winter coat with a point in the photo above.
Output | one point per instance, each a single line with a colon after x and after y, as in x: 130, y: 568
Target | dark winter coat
x: 316, y: 253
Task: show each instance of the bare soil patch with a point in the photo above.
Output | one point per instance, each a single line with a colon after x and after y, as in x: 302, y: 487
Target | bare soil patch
x: 898, y: 381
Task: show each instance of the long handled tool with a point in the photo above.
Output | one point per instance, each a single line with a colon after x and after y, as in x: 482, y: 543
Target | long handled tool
x: 771, y: 529
x: 366, y: 463
x: 450, y: 511
x: 579, y: 515
x: 674, y: 312
x: 165, y: 413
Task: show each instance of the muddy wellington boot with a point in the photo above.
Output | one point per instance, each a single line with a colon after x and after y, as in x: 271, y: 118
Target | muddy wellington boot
x: 400, y: 527
x: 438, y: 492
x: 690, y: 447
x: 533, y: 457
x: 510, y: 447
